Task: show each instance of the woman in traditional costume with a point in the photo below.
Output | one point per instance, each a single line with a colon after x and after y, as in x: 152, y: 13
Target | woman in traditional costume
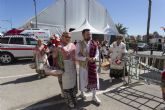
x: 117, y: 49
x: 40, y: 58
x: 66, y: 66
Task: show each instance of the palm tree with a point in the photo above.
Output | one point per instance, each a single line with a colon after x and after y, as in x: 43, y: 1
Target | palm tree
x: 121, y: 29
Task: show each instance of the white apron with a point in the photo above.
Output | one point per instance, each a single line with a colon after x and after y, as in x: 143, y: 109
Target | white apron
x: 69, y: 76
x: 116, y: 54
x: 83, y: 79
x: 40, y: 62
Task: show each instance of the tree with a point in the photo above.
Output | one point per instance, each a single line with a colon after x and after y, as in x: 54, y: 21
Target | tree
x: 155, y: 34
x: 139, y: 38
x: 121, y: 29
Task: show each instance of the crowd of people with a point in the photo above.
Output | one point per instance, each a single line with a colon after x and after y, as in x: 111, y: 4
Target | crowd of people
x: 59, y: 58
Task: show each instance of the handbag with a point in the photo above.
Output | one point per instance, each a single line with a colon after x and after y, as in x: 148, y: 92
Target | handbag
x: 117, y: 64
x: 105, y: 65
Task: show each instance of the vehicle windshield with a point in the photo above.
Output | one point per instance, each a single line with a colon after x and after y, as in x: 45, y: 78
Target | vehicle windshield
x: 4, y: 40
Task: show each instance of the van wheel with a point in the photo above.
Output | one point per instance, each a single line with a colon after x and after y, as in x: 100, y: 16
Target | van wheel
x: 6, y: 58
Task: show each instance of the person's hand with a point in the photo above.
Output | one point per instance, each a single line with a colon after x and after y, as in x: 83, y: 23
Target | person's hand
x: 92, y: 59
x: 60, y: 72
x: 118, y: 61
x: 87, y: 59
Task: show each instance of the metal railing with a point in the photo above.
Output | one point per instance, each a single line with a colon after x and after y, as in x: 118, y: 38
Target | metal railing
x: 145, y: 68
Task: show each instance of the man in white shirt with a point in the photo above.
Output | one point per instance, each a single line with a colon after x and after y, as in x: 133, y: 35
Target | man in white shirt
x: 87, y: 53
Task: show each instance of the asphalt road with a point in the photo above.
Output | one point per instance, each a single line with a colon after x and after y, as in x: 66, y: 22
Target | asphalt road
x: 21, y: 90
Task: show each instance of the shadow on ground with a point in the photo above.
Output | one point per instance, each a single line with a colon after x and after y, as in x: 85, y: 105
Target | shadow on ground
x: 135, y: 98
x: 22, y: 80
x: 152, y: 77
x: 20, y: 62
x: 57, y: 103
x: 104, y: 84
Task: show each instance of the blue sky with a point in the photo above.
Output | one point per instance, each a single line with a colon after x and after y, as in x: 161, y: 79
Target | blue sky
x: 131, y: 13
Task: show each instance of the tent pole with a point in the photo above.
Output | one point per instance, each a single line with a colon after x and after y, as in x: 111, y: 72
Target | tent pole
x: 88, y: 9
x: 106, y: 20
x: 35, y: 13
x: 65, y: 15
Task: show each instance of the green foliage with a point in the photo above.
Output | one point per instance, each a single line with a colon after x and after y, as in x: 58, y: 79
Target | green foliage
x: 121, y: 29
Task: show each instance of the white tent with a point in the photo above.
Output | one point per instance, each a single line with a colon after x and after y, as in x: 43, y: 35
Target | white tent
x: 77, y: 14
x: 77, y: 34
x: 108, y: 30
x: 87, y: 26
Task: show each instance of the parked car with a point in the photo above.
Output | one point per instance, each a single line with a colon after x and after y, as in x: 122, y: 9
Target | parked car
x: 16, y: 46
x: 142, y: 46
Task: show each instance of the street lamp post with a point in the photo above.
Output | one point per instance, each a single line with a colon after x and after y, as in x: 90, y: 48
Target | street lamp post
x: 148, y: 23
x: 35, y: 12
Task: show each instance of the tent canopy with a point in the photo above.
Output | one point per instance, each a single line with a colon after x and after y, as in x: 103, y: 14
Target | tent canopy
x: 78, y: 14
x: 86, y: 25
x: 77, y: 34
x: 108, y: 30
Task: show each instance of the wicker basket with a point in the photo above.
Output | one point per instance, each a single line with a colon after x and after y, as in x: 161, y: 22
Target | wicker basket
x: 105, y: 65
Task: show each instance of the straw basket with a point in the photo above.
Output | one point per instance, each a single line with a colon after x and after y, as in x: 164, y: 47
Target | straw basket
x: 105, y: 65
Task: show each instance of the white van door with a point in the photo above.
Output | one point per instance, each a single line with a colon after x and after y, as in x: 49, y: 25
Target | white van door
x: 19, y: 49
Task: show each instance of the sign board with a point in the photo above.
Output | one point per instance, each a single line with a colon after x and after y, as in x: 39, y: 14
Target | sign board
x: 43, y: 34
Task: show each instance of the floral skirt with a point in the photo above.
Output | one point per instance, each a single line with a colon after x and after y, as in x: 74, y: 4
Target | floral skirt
x: 69, y: 94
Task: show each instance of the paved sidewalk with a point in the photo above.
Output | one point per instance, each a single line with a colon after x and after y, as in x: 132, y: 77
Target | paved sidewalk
x: 21, y: 90
x: 137, y: 96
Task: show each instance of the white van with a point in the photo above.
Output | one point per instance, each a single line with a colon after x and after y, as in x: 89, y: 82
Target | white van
x: 15, y: 47
x: 43, y: 34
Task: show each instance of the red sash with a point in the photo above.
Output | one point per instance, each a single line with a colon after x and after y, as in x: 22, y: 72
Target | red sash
x: 92, y: 74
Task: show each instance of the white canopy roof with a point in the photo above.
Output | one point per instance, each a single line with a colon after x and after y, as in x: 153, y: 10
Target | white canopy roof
x: 86, y: 25
x: 76, y: 14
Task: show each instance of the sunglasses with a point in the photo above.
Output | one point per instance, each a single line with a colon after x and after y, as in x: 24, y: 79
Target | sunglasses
x: 67, y: 37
